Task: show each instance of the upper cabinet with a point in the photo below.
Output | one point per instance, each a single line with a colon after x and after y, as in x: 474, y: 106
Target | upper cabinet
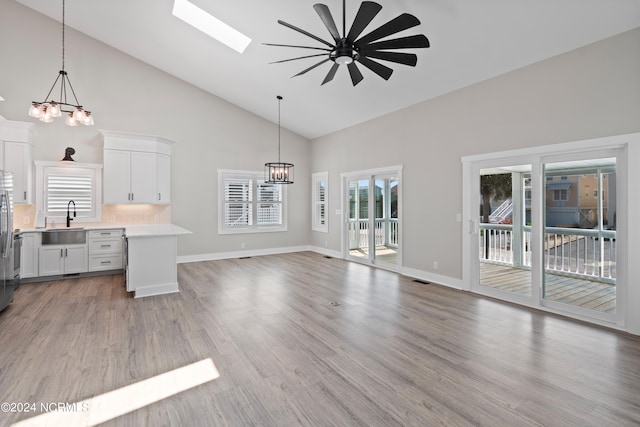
x: 16, y: 156
x: 137, y: 168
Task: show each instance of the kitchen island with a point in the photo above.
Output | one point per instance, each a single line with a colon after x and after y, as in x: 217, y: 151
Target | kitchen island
x: 152, y: 259
x: 146, y: 252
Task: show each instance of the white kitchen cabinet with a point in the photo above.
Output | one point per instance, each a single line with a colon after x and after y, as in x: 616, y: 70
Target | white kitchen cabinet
x: 29, y: 255
x: 18, y: 159
x: 16, y: 156
x: 163, y: 178
x: 57, y: 259
x: 129, y: 177
x: 137, y: 169
x: 106, y: 250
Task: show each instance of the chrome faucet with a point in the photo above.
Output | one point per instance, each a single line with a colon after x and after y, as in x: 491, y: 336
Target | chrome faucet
x: 69, y: 219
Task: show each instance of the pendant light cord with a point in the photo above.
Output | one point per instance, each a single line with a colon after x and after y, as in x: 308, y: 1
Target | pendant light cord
x: 279, y: 100
x: 62, y: 35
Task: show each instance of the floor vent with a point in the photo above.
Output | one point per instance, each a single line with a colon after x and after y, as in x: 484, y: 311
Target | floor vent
x: 245, y: 257
x: 423, y: 282
x: 328, y: 257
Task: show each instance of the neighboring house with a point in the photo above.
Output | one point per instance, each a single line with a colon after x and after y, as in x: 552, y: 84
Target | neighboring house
x: 572, y: 200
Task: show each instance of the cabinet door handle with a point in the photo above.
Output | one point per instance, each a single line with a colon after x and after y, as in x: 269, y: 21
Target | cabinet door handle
x: 25, y: 195
x: 66, y: 252
x: 105, y: 246
x: 105, y: 234
x: 105, y: 262
x: 159, y: 196
x: 61, y: 253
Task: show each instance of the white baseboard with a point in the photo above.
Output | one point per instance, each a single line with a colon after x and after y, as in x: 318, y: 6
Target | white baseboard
x: 240, y: 254
x: 450, y: 282
x: 165, y: 288
x: 325, y: 251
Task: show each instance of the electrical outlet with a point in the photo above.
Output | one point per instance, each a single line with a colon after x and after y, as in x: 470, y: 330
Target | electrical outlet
x: 26, y: 220
x: 326, y: 244
x: 242, y: 245
x: 435, y: 265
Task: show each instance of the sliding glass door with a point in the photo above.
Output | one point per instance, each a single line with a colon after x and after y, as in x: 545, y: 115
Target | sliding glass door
x: 359, y: 224
x: 372, y: 232
x: 544, y: 233
x: 580, y: 251
x: 504, y: 243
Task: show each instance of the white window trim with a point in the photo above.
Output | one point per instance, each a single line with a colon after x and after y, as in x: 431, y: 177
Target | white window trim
x: 315, y: 202
x: 257, y: 176
x: 41, y: 169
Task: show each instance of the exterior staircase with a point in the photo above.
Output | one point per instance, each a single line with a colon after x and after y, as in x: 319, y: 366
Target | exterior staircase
x: 502, y: 212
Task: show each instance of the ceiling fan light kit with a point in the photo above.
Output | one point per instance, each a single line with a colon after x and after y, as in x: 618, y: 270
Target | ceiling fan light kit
x: 349, y: 48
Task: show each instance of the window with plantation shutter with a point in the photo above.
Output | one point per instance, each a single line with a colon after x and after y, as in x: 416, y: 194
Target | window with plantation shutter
x: 63, y: 188
x: 320, y: 201
x: 58, y: 185
x: 248, y: 204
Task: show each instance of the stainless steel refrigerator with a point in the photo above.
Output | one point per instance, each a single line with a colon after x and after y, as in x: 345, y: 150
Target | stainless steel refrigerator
x: 7, y: 259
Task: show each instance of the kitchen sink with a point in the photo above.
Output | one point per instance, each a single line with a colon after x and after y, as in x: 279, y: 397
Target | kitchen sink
x: 64, y: 236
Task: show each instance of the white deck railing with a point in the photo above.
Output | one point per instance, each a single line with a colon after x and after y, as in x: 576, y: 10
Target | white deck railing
x: 386, y: 233
x: 570, y: 251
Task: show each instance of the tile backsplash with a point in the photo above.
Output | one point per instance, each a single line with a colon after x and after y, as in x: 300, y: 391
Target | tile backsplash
x: 24, y: 216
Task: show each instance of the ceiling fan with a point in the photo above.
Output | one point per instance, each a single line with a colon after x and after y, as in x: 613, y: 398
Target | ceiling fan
x: 348, y: 48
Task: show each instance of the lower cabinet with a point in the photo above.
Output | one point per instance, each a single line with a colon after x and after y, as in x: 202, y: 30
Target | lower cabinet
x: 29, y: 256
x: 105, y: 250
x: 102, y: 252
x: 55, y: 260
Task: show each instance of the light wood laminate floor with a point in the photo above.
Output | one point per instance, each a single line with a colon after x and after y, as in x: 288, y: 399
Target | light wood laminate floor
x: 300, y: 339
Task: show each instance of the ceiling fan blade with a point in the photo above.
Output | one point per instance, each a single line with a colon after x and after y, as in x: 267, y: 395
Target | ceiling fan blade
x: 295, y: 59
x: 306, y: 33
x: 331, y: 73
x: 381, y: 70
x: 301, y: 47
x: 311, y: 68
x: 354, y: 72
x: 401, y: 23
x: 325, y: 14
x: 368, y: 10
x: 399, y: 43
x: 400, y: 58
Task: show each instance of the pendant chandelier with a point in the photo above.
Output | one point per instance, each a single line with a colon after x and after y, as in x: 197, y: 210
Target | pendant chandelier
x: 48, y: 109
x: 278, y: 172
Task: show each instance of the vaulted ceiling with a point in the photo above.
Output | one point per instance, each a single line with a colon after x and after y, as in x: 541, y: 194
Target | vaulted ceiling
x: 471, y: 41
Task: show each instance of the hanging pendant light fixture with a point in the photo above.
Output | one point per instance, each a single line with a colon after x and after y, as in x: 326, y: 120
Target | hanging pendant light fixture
x: 278, y: 172
x: 48, y: 109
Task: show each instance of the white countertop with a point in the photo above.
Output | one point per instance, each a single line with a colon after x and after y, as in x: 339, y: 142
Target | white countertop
x: 149, y: 230
x: 132, y: 230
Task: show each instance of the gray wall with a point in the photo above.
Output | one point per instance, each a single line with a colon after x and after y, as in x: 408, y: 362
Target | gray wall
x: 127, y: 95
x: 587, y: 93
x: 590, y: 92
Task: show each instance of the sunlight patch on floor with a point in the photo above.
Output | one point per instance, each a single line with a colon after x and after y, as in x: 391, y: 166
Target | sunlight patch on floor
x: 104, y: 407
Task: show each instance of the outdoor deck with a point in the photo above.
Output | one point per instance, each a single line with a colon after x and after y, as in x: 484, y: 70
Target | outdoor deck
x: 386, y: 254
x: 561, y: 288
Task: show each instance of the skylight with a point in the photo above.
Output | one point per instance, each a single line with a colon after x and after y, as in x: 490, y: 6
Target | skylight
x: 210, y: 25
